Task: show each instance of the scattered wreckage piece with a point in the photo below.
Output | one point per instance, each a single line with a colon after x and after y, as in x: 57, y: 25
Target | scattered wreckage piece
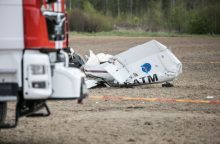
x: 149, y: 63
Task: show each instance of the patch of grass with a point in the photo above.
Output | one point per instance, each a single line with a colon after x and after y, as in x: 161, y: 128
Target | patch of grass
x: 134, y: 33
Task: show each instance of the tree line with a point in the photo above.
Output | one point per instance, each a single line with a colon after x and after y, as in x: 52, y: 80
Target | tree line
x: 182, y: 16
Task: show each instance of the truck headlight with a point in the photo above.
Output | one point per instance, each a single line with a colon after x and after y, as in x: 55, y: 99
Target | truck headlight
x: 37, y: 69
x: 39, y: 85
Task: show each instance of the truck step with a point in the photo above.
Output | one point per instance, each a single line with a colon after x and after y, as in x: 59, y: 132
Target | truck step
x: 8, y: 126
x: 8, y: 98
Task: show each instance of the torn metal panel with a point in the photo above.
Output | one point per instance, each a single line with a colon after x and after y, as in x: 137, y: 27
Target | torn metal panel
x: 91, y: 83
x: 118, y: 71
x: 140, y: 52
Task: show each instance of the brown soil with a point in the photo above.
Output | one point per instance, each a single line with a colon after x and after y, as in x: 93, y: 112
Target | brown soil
x: 115, y: 121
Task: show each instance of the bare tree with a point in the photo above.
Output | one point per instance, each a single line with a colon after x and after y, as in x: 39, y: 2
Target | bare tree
x: 131, y: 8
x: 106, y: 7
x: 118, y: 4
x: 70, y: 4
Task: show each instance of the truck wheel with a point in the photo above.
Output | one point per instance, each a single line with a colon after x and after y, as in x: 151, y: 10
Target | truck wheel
x: 3, y: 111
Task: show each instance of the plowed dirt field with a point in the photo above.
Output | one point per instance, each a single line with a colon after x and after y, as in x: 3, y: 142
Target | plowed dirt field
x: 116, y: 121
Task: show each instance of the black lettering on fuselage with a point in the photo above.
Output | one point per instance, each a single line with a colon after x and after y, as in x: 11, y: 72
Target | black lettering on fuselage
x: 152, y: 79
x: 143, y: 79
x: 146, y: 79
x: 136, y: 81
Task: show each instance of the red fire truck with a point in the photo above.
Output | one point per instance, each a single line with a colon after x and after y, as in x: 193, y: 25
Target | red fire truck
x: 34, y: 64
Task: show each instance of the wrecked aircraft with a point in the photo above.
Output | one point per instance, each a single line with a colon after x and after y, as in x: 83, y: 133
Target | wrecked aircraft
x: 149, y: 63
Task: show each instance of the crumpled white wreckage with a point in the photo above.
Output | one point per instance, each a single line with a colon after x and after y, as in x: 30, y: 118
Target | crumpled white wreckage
x: 149, y: 63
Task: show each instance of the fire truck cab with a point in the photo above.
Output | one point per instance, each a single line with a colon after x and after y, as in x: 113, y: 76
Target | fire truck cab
x: 34, y: 64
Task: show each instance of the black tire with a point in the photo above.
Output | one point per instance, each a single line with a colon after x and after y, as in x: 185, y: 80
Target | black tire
x: 3, y: 111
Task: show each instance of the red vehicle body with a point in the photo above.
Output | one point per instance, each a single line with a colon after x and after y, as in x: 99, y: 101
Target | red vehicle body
x: 37, y: 32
